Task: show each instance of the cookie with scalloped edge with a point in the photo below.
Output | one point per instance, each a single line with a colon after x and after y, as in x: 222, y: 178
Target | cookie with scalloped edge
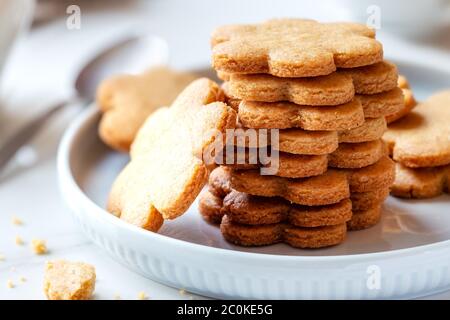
x: 127, y: 100
x: 409, y: 101
x: 294, y: 47
x: 167, y: 169
x: 421, y: 182
x: 422, y: 138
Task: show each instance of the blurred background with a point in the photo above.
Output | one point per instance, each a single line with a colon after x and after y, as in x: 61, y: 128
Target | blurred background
x: 43, y: 44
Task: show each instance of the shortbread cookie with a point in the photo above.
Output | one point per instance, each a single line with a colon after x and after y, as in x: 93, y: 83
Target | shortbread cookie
x: 376, y: 176
x: 294, y: 47
x: 357, y: 155
x: 65, y: 280
x: 219, y: 182
x: 372, y: 129
x: 253, y: 210
x: 268, y: 210
x: 409, y: 101
x: 167, y: 170
x: 284, y: 115
x: 383, y: 104
x: 422, y: 138
x: 299, y: 141
x: 128, y: 100
x: 298, y: 237
x: 364, y: 219
x: 365, y: 200
x: 421, y: 182
x: 347, y: 155
x: 288, y: 165
x: 375, y: 78
x: 330, y: 187
x: 296, y: 141
x: 210, y: 206
x: 330, y: 90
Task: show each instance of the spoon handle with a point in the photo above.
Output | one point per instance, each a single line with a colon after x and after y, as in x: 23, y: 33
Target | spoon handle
x: 22, y: 136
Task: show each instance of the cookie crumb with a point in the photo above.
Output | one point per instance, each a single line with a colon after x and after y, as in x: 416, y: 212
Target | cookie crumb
x: 117, y: 297
x: 66, y: 280
x: 16, y: 221
x: 19, y: 241
x: 182, y: 292
x: 2, y: 257
x: 142, y: 296
x: 10, y: 284
x: 23, y: 279
x: 39, y: 246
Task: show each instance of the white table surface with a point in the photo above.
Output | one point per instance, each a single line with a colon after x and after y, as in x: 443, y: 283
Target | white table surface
x: 40, y: 72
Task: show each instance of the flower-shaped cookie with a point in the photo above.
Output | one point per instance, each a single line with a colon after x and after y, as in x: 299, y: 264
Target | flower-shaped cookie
x: 167, y: 171
x: 294, y: 47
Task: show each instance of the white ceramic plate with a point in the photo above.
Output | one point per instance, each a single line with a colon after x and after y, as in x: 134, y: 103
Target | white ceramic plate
x: 406, y: 255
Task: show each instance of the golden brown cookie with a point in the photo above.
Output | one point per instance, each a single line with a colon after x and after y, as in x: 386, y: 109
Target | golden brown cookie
x: 376, y: 176
x: 374, y: 78
x: 364, y: 219
x: 288, y: 165
x: 294, y: 47
x: 219, y: 181
x: 210, y: 206
x: 330, y: 187
x: 167, y: 171
x: 254, y: 210
x: 365, y: 200
x: 382, y: 104
x: 357, y: 155
x: 421, y: 182
x: 422, y: 138
x: 409, y: 101
x: 299, y: 141
x: 284, y: 115
x: 370, y: 130
x: 127, y: 100
x: 330, y: 90
x: 298, y: 237
x: 245, y: 209
x: 347, y: 155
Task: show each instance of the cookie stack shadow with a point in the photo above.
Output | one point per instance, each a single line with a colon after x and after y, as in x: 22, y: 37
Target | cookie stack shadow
x: 333, y: 170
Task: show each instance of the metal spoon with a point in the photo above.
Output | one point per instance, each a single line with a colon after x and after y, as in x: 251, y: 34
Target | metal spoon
x: 130, y: 55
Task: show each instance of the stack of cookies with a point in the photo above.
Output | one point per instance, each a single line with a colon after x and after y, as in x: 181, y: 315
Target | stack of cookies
x: 325, y: 90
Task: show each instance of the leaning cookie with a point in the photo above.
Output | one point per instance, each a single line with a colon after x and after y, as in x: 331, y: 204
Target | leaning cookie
x: 159, y: 184
x: 127, y: 100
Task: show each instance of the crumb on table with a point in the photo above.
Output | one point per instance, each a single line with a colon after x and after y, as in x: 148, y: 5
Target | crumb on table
x: 19, y: 241
x: 16, y: 221
x: 66, y: 280
x: 39, y: 246
x: 142, y: 296
x: 10, y: 284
